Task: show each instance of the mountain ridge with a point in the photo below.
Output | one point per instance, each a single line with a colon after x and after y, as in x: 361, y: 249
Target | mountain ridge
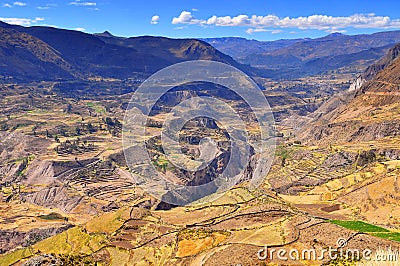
x: 295, y: 58
x: 88, y: 55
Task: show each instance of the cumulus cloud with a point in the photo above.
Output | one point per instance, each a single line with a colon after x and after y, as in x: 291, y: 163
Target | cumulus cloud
x: 7, y: 5
x: 316, y: 22
x: 155, y: 19
x: 21, y: 21
x: 186, y: 17
x: 81, y: 3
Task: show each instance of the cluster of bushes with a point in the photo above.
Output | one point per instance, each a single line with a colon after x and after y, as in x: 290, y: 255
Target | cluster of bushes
x: 74, y: 147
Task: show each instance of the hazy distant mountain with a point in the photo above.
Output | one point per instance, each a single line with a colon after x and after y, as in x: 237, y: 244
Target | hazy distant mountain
x: 239, y: 48
x: 45, y: 53
x: 337, y: 44
x: 302, y: 57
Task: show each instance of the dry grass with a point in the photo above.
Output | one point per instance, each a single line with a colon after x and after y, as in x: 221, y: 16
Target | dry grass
x: 109, y: 222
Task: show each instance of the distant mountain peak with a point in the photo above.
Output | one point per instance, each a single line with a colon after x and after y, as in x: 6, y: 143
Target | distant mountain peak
x: 104, y: 34
x: 335, y: 34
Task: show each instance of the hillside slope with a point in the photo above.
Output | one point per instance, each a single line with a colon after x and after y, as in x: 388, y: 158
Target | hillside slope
x: 24, y: 55
x: 370, y: 113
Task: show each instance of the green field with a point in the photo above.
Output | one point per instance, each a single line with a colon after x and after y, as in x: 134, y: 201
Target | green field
x: 360, y: 226
x: 394, y: 236
x: 368, y: 228
x: 52, y: 216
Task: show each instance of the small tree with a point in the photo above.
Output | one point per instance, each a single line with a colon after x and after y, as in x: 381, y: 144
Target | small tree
x: 284, y: 154
x: 109, y: 122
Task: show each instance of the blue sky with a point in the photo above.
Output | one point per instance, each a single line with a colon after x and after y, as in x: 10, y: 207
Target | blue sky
x: 257, y: 19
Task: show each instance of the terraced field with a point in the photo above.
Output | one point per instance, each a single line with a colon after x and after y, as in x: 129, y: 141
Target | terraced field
x: 306, y: 200
x: 67, y: 196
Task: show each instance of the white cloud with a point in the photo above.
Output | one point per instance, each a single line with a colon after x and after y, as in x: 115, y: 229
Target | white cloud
x: 14, y: 4
x: 48, y: 6
x: 80, y: 3
x: 21, y: 21
x: 195, y: 9
x: 186, y: 17
x: 316, y: 22
x: 253, y: 30
x: 336, y: 31
x: 276, y: 31
x: 180, y: 28
x: 155, y: 19
x: 19, y: 4
x: 80, y: 29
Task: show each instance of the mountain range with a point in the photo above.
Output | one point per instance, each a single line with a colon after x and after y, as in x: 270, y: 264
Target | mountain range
x: 46, y: 53
x: 303, y: 57
x: 239, y: 48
